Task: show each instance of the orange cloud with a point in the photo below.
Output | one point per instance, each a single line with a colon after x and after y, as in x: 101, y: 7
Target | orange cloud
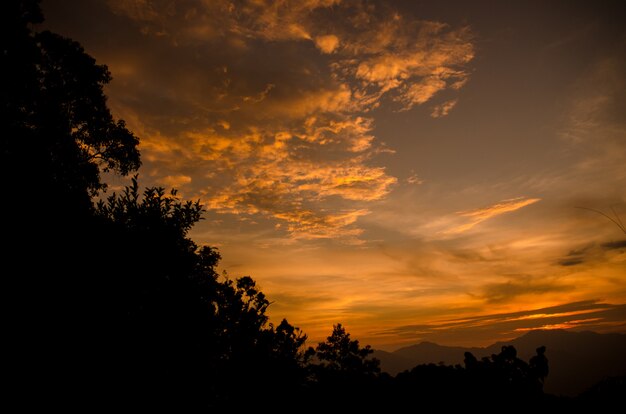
x: 410, y: 60
x: 327, y: 43
x: 175, y: 181
x: 381, y: 51
x: 311, y: 225
x: 443, y: 109
x: 278, y: 174
x: 564, y: 325
x: 355, y: 182
x: 479, y: 215
x: 306, y: 103
x: 421, y: 92
x: 260, y: 96
x: 281, y: 134
x: 509, y: 325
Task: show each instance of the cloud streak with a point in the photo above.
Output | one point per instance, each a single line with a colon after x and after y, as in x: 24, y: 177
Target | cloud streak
x: 590, y: 314
x: 477, y: 216
x: 444, y: 109
x: 522, y: 285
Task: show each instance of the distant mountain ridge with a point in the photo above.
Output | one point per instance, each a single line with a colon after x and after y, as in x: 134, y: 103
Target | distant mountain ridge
x: 577, y: 360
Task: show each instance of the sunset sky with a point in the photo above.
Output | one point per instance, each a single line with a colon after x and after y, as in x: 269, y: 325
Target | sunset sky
x: 413, y: 170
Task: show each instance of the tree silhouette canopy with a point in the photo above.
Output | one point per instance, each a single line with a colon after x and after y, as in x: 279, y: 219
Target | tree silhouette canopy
x: 58, y: 131
x: 340, y: 354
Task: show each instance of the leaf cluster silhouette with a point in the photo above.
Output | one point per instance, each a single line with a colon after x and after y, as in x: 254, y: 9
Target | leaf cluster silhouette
x: 113, y: 305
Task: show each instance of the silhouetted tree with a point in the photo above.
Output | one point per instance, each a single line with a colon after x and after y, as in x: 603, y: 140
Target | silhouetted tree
x: 57, y: 129
x: 538, y: 365
x: 254, y: 358
x: 187, y: 331
x: 339, y: 353
x: 493, y: 384
x: 57, y: 136
x: 506, y: 377
x: 343, y: 375
x: 116, y: 306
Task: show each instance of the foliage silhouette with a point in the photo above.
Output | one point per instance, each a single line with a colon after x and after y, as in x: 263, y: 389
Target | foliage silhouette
x: 119, y: 306
x: 538, y: 365
x: 502, y: 380
x: 174, y: 308
x: 343, y: 375
x: 58, y: 128
x: 58, y: 135
x: 340, y: 354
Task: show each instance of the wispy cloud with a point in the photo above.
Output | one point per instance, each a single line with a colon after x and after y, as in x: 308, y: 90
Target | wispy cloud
x: 505, y: 292
x: 614, y: 245
x: 590, y: 314
x: 477, y: 216
x: 594, y: 125
x: 175, y: 181
x: 574, y: 257
x: 414, y: 179
x: 443, y: 109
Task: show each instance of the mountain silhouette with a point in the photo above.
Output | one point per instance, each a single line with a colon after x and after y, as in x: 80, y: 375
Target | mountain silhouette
x: 577, y: 360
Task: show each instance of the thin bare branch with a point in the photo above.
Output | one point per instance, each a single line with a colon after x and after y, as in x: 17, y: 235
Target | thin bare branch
x: 617, y: 217
x: 617, y: 222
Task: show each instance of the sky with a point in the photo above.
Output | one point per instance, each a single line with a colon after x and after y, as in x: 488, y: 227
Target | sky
x: 415, y: 170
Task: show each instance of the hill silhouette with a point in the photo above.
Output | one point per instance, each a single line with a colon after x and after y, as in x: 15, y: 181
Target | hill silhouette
x: 578, y: 360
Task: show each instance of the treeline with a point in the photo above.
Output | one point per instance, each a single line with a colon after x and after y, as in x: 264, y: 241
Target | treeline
x: 112, y: 306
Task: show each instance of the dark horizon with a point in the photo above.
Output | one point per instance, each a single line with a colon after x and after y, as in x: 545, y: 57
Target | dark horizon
x: 507, y: 341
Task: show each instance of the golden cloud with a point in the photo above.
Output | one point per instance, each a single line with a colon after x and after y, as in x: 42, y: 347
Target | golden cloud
x: 279, y: 174
x: 305, y: 224
x: 410, y: 60
x: 327, y: 43
x: 175, y: 181
x: 379, y: 50
x: 477, y: 216
x: 271, y: 130
x: 443, y: 109
x: 603, y: 317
